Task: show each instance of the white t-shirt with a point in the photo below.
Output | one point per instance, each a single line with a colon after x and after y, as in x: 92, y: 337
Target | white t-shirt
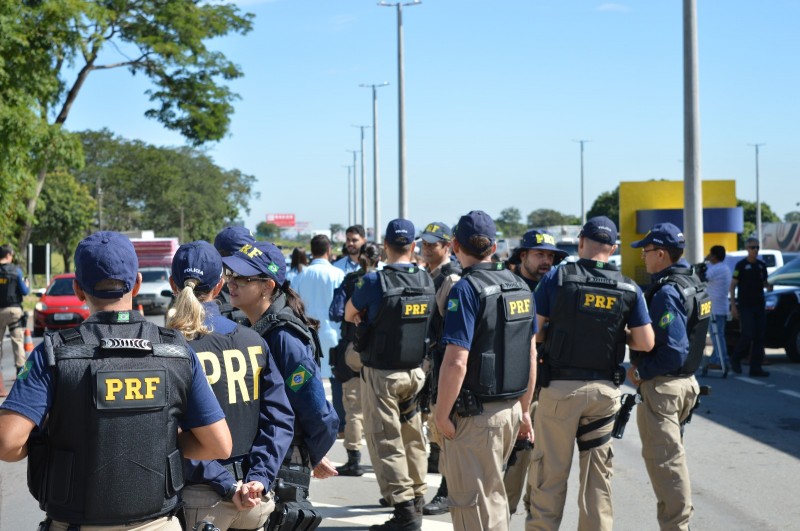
x: 718, y: 277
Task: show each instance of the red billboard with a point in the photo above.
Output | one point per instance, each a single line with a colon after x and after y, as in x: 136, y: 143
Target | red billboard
x: 284, y: 221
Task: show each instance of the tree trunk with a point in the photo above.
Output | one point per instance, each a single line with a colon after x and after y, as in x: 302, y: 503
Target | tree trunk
x: 25, y: 237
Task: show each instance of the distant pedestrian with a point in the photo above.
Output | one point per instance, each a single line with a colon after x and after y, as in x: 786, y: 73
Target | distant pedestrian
x: 299, y: 261
x: 13, y: 287
x: 718, y: 276
x: 747, y: 305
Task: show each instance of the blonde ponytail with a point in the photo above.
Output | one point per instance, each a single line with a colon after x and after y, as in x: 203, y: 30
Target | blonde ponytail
x: 188, y: 315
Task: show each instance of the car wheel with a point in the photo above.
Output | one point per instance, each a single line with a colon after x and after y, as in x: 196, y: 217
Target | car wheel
x: 37, y: 332
x: 793, y: 343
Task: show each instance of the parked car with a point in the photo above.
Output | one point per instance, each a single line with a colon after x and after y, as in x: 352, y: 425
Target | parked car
x: 58, y: 306
x: 155, y: 280
x: 783, y: 310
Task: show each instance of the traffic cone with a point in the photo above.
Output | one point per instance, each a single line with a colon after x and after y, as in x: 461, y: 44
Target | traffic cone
x: 141, y: 309
x: 28, y: 344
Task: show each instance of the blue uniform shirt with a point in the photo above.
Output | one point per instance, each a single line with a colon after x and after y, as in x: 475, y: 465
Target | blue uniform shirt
x: 369, y: 294
x: 669, y: 324
x: 463, y: 306
x: 32, y: 393
x: 275, y: 424
x: 317, y: 422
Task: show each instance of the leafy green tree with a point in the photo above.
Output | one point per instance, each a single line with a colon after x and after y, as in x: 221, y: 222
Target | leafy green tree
x: 750, y: 227
x: 606, y: 204
x: 171, y: 191
x: 64, y: 214
x: 268, y: 231
x: 545, y: 217
x: 166, y: 41
x: 510, y: 222
x: 792, y: 217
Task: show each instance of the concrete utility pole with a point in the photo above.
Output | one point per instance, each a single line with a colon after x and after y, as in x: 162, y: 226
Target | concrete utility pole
x: 401, y: 120
x: 376, y: 180
x: 758, y: 195
x: 349, y: 197
x: 363, y: 180
x: 355, y: 185
x: 692, y: 184
x: 583, y: 205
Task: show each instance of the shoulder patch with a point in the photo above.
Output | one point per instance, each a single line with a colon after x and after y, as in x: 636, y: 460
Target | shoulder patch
x: 298, y: 378
x: 666, y: 319
x: 24, y: 371
x: 452, y: 305
x: 359, y: 283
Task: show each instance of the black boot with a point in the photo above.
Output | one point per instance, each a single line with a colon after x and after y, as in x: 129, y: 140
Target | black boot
x: 404, y: 518
x: 438, y: 504
x: 433, y: 459
x: 353, y: 465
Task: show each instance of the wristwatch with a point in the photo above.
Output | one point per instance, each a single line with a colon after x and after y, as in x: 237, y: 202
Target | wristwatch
x: 231, y: 492
x: 636, y: 374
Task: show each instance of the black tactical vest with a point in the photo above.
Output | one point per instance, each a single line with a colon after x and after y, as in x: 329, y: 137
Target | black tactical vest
x: 499, y: 361
x: 437, y: 320
x: 349, y: 286
x: 233, y: 364
x: 9, y: 286
x: 397, y: 337
x: 697, y: 303
x: 117, y: 400
x: 279, y: 315
x: 587, y: 323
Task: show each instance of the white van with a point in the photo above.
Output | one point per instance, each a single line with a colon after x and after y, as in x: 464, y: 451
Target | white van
x: 772, y: 257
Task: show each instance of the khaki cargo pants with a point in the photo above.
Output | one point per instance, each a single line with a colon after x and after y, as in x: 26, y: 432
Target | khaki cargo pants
x: 8, y: 317
x: 515, y: 476
x: 351, y: 400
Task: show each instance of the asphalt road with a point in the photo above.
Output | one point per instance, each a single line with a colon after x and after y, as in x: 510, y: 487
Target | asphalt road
x: 743, y: 448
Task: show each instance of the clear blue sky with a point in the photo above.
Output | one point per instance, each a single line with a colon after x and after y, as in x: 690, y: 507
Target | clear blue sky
x: 496, y: 92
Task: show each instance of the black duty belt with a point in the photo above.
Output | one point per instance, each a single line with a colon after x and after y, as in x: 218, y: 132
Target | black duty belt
x: 676, y: 374
x: 579, y: 374
x: 235, y: 468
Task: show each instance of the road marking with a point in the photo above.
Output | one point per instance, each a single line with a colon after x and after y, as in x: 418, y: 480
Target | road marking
x: 751, y: 380
x: 356, y: 517
x: 790, y: 393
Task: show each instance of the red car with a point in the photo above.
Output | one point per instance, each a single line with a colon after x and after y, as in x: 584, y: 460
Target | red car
x: 59, y: 307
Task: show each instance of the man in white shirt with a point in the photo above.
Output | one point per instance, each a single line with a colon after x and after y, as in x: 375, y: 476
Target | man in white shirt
x: 718, y: 277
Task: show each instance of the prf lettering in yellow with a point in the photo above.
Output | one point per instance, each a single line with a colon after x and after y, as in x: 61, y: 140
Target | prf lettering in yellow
x: 415, y: 309
x: 603, y: 302
x: 520, y: 307
x: 132, y: 388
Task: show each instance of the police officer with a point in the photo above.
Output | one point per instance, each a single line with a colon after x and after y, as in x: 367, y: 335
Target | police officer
x: 12, y: 289
x: 680, y: 308
x: 233, y: 492
x: 588, y: 305
x: 437, y: 249
x: 397, y: 303
x: 128, y: 383
x: 228, y: 241
x: 485, y: 377
x: 537, y: 254
x: 256, y: 277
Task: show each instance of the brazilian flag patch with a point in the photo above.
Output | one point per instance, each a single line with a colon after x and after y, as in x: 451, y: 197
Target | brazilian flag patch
x: 24, y: 371
x: 666, y: 319
x: 360, y: 282
x: 298, y: 378
x: 123, y: 317
x: 452, y: 305
x: 273, y: 267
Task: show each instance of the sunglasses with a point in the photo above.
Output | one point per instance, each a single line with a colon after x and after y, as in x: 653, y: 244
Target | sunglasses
x: 754, y: 247
x: 235, y: 280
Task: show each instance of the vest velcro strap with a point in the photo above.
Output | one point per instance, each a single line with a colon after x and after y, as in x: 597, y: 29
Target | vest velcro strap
x: 165, y: 350
x: 593, y: 443
x: 594, y: 425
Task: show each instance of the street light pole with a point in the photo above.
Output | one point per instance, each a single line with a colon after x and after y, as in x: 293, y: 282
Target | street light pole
x: 349, y: 197
x: 583, y: 205
x: 401, y: 115
x: 355, y: 185
x: 363, y: 180
x: 758, y: 195
x: 692, y: 183
x: 376, y: 185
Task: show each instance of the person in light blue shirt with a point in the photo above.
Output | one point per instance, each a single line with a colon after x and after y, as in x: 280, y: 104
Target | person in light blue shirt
x: 354, y: 239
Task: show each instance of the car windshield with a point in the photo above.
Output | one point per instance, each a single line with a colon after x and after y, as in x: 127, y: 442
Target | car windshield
x: 154, y: 276
x: 61, y: 286
x: 788, y: 275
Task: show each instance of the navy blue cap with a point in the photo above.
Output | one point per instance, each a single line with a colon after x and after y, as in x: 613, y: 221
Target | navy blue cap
x: 436, y: 232
x: 399, y: 232
x: 600, y: 229
x: 106, y: 255
x: 540, y: 239
x: 663, y: 235
x: 198, y: 260
x: 257, y: 259
x: 476, y: 223
x: 231, y: 239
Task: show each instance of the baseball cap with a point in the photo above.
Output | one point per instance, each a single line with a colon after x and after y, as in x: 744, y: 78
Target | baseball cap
x: 198, y: 260
x: 232, y: 238
x: 540, y: 239
x: 600, y: 229
x: 436, y: 232
x: 106, y: 255
x: 258, y: 259
x: 663, y: 235
x: 476, y: 223
x: 399, y: 232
